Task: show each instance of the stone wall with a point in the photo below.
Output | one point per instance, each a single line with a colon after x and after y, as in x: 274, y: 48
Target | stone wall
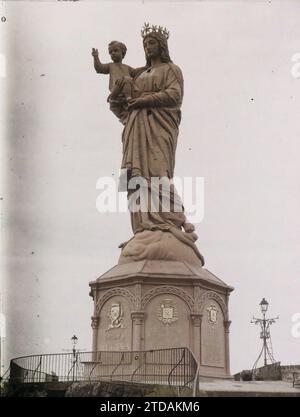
x: 122, y: 389
x: 288, y: 371
x: 270, y: 372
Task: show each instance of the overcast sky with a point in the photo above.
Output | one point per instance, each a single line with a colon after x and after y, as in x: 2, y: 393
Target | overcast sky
x: 240, y: 131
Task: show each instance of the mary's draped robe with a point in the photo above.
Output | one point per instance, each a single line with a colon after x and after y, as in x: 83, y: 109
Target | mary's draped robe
x: 149, y: 145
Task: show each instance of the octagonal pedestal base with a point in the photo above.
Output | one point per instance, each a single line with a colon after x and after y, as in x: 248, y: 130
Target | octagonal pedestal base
x: 154, y: 304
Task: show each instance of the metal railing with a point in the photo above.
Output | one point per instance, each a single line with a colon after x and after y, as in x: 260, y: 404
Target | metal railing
x: 175, y: 367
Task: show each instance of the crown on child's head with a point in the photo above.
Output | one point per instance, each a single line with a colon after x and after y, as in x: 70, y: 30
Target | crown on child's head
x: 154, y: 29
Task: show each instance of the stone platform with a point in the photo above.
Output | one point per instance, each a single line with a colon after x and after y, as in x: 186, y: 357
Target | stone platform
x: 158, y: 304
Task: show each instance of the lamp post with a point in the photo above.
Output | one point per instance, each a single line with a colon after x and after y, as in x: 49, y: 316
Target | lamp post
x: 75, y: 359
x: 265, y: 332
x: 265, y: 335
x: 74, y: 340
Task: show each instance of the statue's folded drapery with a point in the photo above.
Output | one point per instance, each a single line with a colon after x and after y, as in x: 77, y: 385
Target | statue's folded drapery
x: 150, y: 134
x: 149, y: 145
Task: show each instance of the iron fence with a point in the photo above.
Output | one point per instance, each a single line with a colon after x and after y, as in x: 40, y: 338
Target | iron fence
x: 175, y: 367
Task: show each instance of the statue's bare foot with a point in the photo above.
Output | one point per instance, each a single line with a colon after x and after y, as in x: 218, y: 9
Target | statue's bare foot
x: 189, y: 227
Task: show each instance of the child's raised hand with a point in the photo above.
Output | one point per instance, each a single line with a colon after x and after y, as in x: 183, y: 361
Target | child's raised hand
x: 95, y: 52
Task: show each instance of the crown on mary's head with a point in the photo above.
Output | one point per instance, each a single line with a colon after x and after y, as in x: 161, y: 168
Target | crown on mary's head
x: 158, y: 30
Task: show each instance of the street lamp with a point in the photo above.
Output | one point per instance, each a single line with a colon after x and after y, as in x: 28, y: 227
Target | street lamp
x: 265, y: 333
x: 74, y: 340
x: 75, y: 358
x: 264, y: 305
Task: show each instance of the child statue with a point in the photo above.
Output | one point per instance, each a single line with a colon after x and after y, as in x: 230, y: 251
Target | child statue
x: 120, y: 78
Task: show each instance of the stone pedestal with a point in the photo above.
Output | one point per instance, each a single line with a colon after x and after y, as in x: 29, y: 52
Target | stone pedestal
x: 156, y: 304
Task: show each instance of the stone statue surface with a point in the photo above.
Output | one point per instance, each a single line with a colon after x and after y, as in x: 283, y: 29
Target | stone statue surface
x: 158, y: 296
x: 147, y: 100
